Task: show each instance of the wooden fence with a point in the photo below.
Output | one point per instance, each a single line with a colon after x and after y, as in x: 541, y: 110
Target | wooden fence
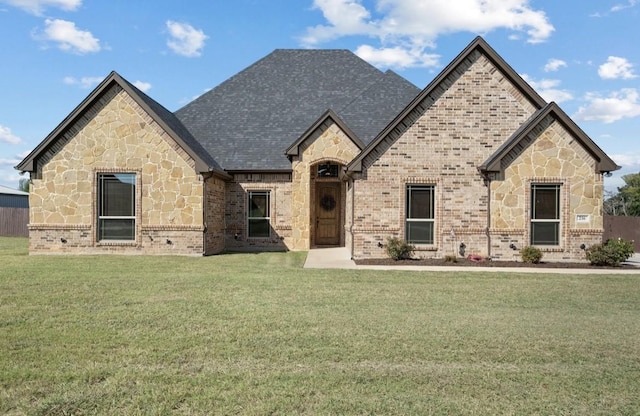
x: 623, y: 227
x: 13, y: 222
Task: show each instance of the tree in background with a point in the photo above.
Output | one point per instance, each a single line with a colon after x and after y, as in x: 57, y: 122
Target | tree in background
x: 627, y: 200
x: 23, y: 185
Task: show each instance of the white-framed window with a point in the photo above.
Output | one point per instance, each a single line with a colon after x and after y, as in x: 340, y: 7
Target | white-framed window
x: 420, y: 214
x: 116, y: 207
x: 258, y: 214
x: 545, y: 214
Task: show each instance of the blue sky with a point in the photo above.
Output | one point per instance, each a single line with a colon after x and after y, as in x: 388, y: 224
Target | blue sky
x: 581, y: 54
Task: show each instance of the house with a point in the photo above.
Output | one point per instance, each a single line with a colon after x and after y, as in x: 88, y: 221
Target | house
x: 14, y: 212
x: 311, y: 148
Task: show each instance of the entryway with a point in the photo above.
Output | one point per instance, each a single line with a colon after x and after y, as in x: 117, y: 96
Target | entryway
x: 328, y: 209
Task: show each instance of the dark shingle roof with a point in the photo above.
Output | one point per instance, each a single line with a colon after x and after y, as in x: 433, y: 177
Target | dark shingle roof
x: 248, y: 121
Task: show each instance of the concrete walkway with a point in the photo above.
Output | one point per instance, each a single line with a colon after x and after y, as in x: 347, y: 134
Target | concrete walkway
x: 340, y: 258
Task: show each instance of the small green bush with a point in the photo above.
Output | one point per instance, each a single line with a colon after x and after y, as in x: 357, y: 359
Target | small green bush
x: 611, y: 253
x: 398, y: 249
x: 451, y: 258
x: 531, y: 254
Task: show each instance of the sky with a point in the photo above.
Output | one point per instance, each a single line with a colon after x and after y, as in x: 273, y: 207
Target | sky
x: 583, y: 55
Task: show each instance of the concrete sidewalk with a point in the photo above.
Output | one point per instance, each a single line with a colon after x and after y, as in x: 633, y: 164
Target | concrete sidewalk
x: 340, y: 258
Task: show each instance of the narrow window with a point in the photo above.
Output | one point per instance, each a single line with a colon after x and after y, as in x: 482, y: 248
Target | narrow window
x: 258, y: 214
x: 545, y: 215
x: 116, y: 206
x: 420, y: 214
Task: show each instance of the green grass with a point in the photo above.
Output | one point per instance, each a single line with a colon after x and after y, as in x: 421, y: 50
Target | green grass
x: 256, y: 334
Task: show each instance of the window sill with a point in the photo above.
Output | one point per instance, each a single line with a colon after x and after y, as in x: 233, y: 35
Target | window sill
x: 424, y: 247
x: 127, y: 243
x: 549, y: 249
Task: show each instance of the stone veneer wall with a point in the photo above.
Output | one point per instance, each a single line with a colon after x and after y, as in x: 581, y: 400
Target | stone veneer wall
x: 327, y: 144
x: 279, y: 185
x: 116, y: 135
x: 448, y: 135
x: 552, y: 156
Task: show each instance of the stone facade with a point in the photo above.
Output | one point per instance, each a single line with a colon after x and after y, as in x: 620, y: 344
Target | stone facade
x: 328, y: 143
x: 475, y: 111
x: 551, y: 157
x: 115, y: 135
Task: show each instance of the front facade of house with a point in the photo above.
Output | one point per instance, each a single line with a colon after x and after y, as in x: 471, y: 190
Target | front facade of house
x: 285, y: 156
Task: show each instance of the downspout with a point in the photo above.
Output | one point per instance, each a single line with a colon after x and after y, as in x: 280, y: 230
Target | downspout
x: 487, y: 182
x: 353, y: 211
x: 204, y: 211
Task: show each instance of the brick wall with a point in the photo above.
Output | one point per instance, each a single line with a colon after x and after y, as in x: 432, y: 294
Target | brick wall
x: 279, y: 187
x: 444, y: 140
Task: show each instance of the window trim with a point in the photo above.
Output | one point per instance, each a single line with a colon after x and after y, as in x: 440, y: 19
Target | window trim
x: 407, y: 219
x: 136, y: 207
x: 250, y: 194
x: 558, y: 213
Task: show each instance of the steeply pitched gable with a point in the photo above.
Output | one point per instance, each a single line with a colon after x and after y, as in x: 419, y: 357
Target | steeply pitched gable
x: 526, y: 134
x: 434, y: 90
x: 165, y: 119
x: 249, y: 121
x: 329, y: 115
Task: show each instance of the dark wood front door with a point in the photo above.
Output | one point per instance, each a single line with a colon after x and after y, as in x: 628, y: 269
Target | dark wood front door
x: 328, y: 208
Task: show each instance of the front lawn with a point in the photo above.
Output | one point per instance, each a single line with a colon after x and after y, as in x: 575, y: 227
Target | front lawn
x: 257, y: 334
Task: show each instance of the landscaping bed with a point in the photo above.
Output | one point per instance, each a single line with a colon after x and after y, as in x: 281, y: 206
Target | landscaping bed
x: 486, y: 263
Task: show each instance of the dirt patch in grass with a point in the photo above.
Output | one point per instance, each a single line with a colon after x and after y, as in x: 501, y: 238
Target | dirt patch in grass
x: 486, y: 263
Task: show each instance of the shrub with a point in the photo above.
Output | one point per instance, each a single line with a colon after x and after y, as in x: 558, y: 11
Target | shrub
x: 531, y: 254
x: 611, y: 253
x: 398, y: 249
x: 451, y: 258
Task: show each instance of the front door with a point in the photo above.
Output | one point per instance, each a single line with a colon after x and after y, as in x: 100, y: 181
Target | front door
x: 328, y: 203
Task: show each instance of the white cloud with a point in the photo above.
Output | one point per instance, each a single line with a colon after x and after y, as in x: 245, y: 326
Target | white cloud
x: 623, y: 6
x: 84, y: 82
x: 624, y: 103
x: 37, y: 6
x: 548, y: 89
x: 9, y: 162
x: 615, y: 68
x: 554, y: 65
x: 142, y: 86
x: 185, y: 39
x: 414, y: 25
x: 396, y: 57
x: 69, y: 38
x: 7, y: 137
x: 627, y: 160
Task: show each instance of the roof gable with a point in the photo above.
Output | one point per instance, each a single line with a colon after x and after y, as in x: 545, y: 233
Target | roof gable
x: 249, y: 120
x: 431, y: 92
x: 165, y: 119
x: 294, y: 149
x: 522, y: 138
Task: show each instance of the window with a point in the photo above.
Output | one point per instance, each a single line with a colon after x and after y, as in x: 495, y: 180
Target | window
x: 328, y: 170
x: 116, y: 206
x: 420, y: 214
x: 545, y: 215
x: 258, y: 214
